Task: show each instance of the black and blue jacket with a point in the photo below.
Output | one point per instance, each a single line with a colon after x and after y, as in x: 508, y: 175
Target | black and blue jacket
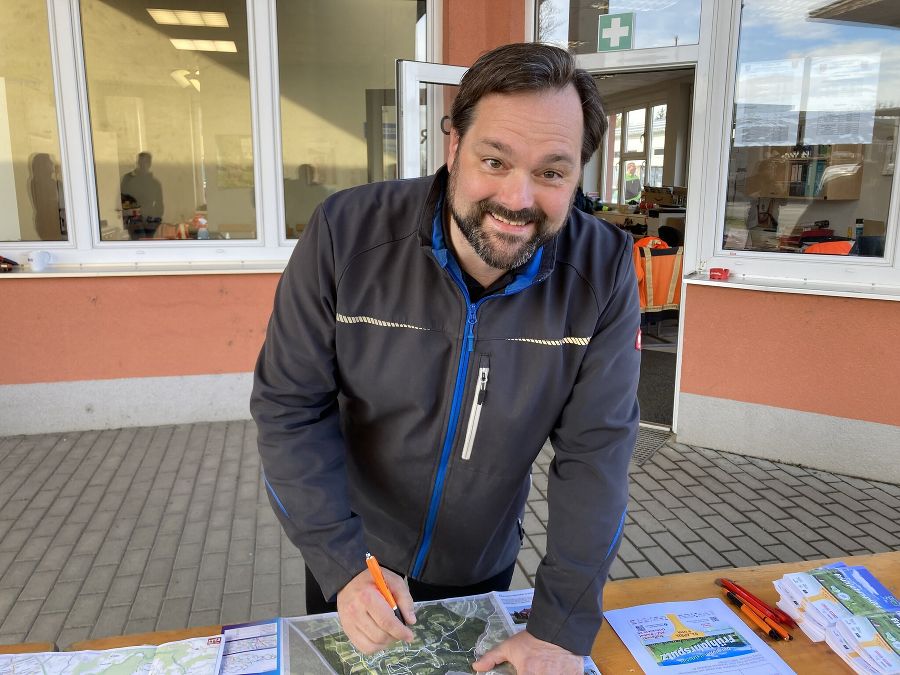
x: 395, y: 416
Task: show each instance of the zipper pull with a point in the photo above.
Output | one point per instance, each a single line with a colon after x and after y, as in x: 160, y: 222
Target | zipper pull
x: 471, y: 320
x: 482, y: 387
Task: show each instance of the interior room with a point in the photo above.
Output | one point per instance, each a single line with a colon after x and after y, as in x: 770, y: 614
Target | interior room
x: 637, y: 181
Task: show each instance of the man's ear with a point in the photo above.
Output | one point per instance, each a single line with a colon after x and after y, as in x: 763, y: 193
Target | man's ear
x: 452, y: 148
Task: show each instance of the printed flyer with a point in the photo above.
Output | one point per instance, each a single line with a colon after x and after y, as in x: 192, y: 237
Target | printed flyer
x: 701, y: 636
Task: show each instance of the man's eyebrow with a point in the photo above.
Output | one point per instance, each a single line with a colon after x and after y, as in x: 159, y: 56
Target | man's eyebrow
x: 503, y: 148
x: 558, y: 158
x: 499, y: 146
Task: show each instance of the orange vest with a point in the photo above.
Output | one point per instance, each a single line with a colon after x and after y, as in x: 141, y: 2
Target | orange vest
x: 658, y: 276
x: 830, y: 247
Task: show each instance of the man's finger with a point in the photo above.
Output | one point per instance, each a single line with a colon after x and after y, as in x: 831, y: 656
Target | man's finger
x: 362, y: 643
x: 383, y: 617
x: 489, y: 659
x: 400, y: 591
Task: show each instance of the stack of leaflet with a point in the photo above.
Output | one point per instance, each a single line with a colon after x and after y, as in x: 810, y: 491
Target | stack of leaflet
x: 869, y: 644
x: 851, y: 610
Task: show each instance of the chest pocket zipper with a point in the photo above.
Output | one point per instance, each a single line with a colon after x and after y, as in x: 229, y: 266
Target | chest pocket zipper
x: 484, y: 369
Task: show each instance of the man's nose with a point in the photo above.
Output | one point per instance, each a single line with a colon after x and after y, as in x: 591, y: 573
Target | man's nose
x: 517, y: 192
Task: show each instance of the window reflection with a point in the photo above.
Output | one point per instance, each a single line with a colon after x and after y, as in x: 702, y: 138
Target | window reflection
x: 338, y: 106
x: 815, y: 118
x: 31, y: 195
x: 169, y: 100
x: 642, y: 24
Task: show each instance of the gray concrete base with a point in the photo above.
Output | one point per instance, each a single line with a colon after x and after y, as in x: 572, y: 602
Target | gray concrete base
x: 834, y: 444
x: 131, y: 402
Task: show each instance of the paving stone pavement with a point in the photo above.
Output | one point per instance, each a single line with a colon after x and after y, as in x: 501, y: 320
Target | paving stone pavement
x: 139, y: 529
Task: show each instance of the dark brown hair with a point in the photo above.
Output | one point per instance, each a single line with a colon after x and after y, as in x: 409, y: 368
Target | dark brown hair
x: 528, y: 67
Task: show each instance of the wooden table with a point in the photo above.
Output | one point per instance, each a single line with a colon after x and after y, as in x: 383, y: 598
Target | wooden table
x: 136, y: 639
x: 609, y: 653
x: 801, y: 654
x: 28, y: 648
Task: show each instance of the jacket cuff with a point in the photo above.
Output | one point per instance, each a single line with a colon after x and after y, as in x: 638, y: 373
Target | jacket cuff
x: 577, y: 636
x: 567, y: 609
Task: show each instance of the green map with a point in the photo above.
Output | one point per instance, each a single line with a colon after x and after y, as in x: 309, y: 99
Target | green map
x: 196, y: 656
x: 449, y: 636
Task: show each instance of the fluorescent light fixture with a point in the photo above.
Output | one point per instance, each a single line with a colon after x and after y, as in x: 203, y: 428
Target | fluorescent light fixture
x: 185, y: 17
x: 204, y: 45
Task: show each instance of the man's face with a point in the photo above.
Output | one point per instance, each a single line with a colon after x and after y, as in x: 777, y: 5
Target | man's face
x: 513, y: 175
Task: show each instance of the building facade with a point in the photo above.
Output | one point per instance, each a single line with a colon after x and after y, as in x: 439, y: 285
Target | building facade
x: 166, y: 160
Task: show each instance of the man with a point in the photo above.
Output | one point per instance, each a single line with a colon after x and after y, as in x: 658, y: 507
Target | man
x: 632, y: 181
x: 428, y: 336
x: 147, y: 190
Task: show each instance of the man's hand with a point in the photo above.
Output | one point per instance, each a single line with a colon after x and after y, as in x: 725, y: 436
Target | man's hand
x: 531, y: 656
x: 366, y: 617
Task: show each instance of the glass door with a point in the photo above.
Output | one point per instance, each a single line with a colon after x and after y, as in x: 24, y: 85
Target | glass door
x: 425, y: 93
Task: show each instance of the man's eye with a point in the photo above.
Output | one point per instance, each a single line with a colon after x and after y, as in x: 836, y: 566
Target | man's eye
x: 493, y: 163
x: 552, y: 175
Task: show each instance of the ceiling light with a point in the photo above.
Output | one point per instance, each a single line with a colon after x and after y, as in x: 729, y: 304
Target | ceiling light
x: 204, y: 45
x: 184, y: 17
x: 186, y: 78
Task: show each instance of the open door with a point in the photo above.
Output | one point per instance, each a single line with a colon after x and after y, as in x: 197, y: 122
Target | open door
x: 425, y: 93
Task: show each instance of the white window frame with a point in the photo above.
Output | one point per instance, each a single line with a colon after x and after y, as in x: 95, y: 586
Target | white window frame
x: 842, y: 275
x: 625, y: 157
x: 84, y: 252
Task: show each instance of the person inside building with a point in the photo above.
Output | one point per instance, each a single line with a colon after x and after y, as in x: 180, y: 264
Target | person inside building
x: 632, y: 182
x: 146, y: 190
x: 427, y: 337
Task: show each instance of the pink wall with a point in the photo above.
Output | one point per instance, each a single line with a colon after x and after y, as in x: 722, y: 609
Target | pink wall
x: 472, y: 27
x: 97, y: 328
x: 820, y: 354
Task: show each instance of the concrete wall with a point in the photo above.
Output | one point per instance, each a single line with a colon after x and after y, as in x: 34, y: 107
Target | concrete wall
x: 802, y: 379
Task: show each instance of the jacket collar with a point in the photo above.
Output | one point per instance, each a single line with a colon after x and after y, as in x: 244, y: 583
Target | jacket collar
x: 431, y: 235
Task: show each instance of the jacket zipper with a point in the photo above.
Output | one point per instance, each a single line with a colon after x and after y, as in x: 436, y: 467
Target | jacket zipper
x: 437, y: 492
x: 484, y: 370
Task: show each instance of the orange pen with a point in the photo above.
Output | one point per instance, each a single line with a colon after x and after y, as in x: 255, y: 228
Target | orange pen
x: 778, y: 628
x: 378, y: 578
x: 753, y: 616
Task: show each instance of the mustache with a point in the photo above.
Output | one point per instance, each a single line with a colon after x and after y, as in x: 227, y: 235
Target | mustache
x: 533, y: 214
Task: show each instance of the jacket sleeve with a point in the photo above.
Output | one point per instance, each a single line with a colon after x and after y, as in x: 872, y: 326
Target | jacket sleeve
x: 588, y: 486
x: 294, y: 404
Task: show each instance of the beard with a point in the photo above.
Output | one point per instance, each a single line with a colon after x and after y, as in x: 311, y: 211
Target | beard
x: 500, y: 250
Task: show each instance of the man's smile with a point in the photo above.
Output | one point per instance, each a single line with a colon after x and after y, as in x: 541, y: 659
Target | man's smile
x: 509, y: 225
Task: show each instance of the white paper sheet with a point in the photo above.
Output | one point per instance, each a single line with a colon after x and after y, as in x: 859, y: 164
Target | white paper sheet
x: 700, y: 636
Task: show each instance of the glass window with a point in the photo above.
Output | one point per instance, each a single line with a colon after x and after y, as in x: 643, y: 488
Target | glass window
x: 815, y: 128
x: 634, y: 141
x: 612, y: 154
x: 636, y: 160
x: 169, y: 98
x: 588, y: 26
x: 31, y: 194
x: 657, y: 145
x: 338, y: 104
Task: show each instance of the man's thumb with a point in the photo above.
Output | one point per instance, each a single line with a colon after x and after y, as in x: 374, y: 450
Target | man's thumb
x: 490, y: 659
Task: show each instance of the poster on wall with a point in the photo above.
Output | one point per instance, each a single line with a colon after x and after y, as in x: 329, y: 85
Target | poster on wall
x: 767, y: 102
x: 840, y: 107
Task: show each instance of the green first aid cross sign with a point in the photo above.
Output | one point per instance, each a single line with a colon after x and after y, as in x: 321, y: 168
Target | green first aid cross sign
x: 616, y: 31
